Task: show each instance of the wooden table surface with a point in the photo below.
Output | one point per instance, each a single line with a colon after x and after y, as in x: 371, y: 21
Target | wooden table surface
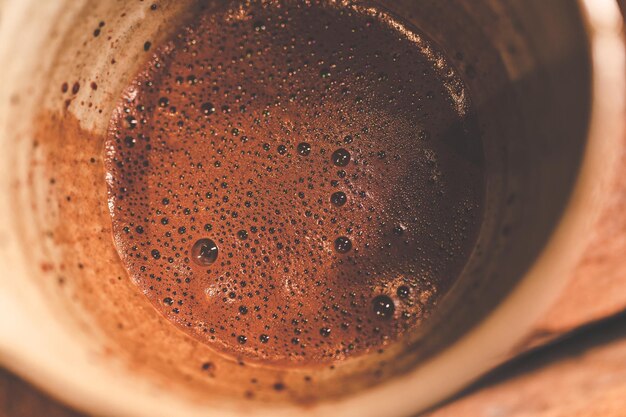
x: 583, y: 375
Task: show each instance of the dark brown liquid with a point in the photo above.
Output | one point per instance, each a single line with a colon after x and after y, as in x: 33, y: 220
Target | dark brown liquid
x: 295, y: 182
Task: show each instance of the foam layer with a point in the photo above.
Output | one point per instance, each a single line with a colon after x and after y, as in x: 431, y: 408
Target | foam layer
x: 295, y: 182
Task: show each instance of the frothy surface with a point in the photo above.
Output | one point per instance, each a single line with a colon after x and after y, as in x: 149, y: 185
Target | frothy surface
x: 295, y: 182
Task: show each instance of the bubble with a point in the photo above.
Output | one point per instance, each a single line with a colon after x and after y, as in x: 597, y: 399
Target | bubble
x: 341, y: 157
x: 204, y: 252
x: 164, y: 102
x: 258, y: 26
x: 130, y: 141
x: 304, y: 148
x: 282, y: 149
x: 155, y: 254
x: 403, y: 291
x: 338, y: 198
x: 131, y: 122
x: 242, y: 234
x: 207, y: 108
x: 343, y: 244
x: 242, y: 339
x: 264, y: 338
x: 399, y: 230
x: 383, y: 306
x: 325, y: 332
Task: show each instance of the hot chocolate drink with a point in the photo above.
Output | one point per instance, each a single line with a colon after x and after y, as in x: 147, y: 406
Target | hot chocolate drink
x: 295, y: 182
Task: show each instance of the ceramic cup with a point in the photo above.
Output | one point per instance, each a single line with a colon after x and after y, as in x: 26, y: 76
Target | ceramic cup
x: 547, y: 79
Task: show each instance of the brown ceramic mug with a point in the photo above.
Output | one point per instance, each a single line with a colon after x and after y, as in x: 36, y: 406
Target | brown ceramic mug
x: 548, y: 83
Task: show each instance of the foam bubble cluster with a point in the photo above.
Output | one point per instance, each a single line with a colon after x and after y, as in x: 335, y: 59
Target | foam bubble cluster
x: 293, y: 181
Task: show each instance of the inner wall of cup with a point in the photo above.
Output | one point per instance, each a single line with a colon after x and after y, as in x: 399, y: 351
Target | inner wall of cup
x: 526, y: 64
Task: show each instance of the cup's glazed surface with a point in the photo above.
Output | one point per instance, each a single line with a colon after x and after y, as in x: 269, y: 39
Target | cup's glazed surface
x: 547, y: 82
